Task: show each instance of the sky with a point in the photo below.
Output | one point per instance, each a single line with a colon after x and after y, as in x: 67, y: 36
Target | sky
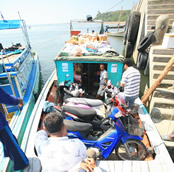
x: 59, y: 11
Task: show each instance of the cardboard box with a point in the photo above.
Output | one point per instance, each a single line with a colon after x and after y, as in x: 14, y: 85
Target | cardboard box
x: 168, y: 41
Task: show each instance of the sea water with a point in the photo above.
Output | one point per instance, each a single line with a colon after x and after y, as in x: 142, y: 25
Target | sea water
x: 48, y: 40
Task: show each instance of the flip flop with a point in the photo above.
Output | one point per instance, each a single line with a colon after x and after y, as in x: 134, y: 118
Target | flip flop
x: 167, y: 138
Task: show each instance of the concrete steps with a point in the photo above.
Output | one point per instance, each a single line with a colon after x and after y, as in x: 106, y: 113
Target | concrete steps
x: 155, y: 16
x: 158, y: 66
x: 162, y: 101
x: 162, y: 108
x: 161, y: 6
x: 165, y: 127
x: 159, y: 50
x: 155, y: 8
x: 157, y: 2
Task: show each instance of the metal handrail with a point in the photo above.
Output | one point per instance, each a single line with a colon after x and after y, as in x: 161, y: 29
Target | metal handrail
x: 8, y: 75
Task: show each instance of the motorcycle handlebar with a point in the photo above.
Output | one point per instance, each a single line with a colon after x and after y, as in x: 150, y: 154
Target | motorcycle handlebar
x: 68, y: 92
x: 67, y: 81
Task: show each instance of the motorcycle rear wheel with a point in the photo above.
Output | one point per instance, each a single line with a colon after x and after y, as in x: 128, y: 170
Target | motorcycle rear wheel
x: 136, y: 147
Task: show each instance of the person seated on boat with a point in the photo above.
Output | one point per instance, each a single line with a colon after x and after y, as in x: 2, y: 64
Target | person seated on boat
x: 77, y: 73
x: 103, y: 82
x: 9, y: 141
x: 130, y: 82
x: 106, y: 29
x: 58, y: 152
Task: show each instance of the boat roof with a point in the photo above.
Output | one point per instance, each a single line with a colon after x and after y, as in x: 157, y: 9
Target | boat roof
x: 95, y: 58
x: 10, y: 24
x: 85, y: 21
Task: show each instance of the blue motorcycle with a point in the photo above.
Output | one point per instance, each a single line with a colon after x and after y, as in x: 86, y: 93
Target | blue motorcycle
x: 127, y: 147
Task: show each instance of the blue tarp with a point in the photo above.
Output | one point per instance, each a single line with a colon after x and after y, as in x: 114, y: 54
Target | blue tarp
x: 10, y: 24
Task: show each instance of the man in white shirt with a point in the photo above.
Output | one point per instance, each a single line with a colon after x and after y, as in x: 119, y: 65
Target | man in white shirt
x: 58, y: 153
x: 103, y: 81
x: 131, y: 82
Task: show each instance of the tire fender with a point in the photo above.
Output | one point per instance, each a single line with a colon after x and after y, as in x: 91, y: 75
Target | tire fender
x: 128, y: 50
x: 145, y: 42
x: 133, y: 27
x: 126, y: 31
x: 146, y: 70
x: 142, y: 60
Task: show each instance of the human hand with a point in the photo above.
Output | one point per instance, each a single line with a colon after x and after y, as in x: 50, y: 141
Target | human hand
x: 103, y: 87
x: 20, y: 102
x: 87, y: 167
x: 91, y: 162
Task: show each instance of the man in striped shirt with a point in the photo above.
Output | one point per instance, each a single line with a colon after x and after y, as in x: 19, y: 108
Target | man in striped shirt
x: 131, y: 82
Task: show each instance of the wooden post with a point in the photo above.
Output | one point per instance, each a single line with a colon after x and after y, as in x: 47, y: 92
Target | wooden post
x: 145, y: 97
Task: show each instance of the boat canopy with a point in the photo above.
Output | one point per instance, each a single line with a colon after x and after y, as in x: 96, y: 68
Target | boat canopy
x: 87, y: 21
x: 10, y: 24
x: 97, y: 58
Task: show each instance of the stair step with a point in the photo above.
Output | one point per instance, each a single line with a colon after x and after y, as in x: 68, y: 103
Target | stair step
x: 159, y: 93
x: 155, y: 2
x: 160, y: 11
x: 165, y: 127
x: 161, y: 58
x: 153, y: 22
x: 161, y: 6
x: 169, y: 76
x: 161, y: 102
x: 164, y: 83
x: 166, y: 113
x: 155, y: 16
x: 156, y: 66
x: 162, y: 51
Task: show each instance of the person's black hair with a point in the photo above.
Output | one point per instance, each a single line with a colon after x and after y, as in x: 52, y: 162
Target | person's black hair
x: 53, y: 122
x: 128, y: 62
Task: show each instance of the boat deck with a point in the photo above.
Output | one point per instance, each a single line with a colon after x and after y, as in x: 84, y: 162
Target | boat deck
x: 162, y: 161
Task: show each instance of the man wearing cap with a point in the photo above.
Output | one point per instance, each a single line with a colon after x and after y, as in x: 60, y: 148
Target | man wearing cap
x: 131, y: 82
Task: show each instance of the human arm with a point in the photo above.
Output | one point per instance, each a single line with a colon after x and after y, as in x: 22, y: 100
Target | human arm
x: 8, y: 99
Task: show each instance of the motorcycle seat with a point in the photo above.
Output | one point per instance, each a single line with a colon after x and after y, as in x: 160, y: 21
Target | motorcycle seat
x: 83, y: 114
x: 86, y: 101
x: 81, y: 127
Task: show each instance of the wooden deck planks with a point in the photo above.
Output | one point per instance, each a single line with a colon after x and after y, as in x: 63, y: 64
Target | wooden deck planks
x: 118, y: 166
x: 155, y: 166
x: 135, y: 166
x: 127, y: 165
x: 103, y: 165
x: 144, y: 167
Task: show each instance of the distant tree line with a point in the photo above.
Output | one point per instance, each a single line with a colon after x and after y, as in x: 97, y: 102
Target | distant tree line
x: 113, y: 15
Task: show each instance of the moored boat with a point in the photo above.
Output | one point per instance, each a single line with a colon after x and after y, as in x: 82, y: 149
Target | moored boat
x: 19, y: 76
x: 115, y: 34
x: 66, y: 61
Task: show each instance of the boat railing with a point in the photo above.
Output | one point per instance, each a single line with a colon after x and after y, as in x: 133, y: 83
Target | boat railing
x: 8, y: 77
x: 11, y: 65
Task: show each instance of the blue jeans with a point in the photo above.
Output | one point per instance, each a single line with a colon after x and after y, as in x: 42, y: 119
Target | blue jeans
x: 130, y: 101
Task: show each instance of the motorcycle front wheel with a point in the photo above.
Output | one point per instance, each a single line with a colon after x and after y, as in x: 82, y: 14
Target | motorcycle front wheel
x: 131, y: 150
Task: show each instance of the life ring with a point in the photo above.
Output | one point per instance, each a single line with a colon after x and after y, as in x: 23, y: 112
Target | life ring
x: 128, y: 50
x: 142, y: 60
x: 134, y: 22
x: 126, y: 31
x: 146, y: 70
x: 145, y: 42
